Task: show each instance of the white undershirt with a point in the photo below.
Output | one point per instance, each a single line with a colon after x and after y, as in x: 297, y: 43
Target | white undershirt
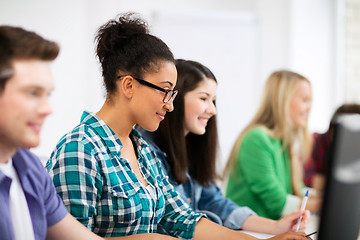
x: 151, y: 191
x: 19, y: 210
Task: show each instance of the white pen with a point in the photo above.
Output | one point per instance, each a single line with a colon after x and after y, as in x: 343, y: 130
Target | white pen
x: 303, y: 204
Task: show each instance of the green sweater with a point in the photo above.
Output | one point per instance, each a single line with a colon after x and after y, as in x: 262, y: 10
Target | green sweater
x: 261, y: 178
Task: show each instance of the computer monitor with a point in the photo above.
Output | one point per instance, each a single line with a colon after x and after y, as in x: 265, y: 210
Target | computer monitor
x: 340, y: 215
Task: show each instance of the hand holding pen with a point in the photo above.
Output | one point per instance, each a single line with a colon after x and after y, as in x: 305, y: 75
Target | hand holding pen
x: 289, y: 221
x: 303, y: 205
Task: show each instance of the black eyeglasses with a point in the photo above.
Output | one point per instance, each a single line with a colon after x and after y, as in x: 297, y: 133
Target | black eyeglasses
x: 169, y: 94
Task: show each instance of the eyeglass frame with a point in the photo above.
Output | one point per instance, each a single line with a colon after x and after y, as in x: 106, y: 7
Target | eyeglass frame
x: 172, y: 93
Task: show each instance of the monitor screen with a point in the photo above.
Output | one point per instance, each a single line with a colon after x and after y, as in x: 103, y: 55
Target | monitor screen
x: 340, y: 215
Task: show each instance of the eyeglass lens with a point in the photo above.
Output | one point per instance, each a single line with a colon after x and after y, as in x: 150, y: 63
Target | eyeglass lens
x: 169, y: 95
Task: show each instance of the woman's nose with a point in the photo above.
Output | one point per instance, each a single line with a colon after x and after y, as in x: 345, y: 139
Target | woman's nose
x: 169, y: 106
x: 212, y: 109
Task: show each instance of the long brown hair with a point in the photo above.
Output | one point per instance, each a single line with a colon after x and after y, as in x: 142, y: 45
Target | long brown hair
x: 192, y: 153
x: 273, y: 115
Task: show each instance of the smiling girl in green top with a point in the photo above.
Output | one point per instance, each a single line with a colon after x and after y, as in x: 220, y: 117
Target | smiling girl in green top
x: 265, y: 168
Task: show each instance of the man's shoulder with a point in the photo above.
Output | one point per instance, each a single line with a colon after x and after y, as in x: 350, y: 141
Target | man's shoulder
x: 28, y: 157
x: 29, y: 166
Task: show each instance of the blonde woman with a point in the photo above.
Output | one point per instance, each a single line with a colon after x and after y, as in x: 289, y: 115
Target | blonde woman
x: 264, y: 166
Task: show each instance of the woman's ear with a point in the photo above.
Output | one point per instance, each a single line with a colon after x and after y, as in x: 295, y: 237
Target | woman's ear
x: 126, y: 85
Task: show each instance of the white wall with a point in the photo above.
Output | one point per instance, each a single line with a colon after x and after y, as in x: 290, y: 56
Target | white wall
x: 312, y: 52
x: 295, y: 34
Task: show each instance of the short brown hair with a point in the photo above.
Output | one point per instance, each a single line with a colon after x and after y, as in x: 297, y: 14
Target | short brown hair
x: 19, y: 44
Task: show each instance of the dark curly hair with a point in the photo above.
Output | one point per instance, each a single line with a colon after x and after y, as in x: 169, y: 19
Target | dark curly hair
x: 125, y: 45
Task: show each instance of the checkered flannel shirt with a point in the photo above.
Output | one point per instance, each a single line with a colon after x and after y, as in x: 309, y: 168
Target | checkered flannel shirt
x: 103, y: 193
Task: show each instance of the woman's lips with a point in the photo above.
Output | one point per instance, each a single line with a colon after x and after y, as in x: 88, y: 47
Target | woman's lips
x: 161, y: 116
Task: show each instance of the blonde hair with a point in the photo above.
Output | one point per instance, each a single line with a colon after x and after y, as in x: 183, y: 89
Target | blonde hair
x: 274, y: 116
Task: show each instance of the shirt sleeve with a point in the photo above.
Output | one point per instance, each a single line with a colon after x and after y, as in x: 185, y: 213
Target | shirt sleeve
x: 256, y: 163
x: 76, y: 179
x: 179, y: 219
x: 230, y: 213
x: 54, y: 207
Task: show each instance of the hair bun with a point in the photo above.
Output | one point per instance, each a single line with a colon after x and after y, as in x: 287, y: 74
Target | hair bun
x: 125, y: 46
x: 118, y: 32
x: 132, y: 24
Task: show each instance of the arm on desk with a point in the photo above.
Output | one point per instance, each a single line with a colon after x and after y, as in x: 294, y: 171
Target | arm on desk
x: 207, y: 230
x: 70, y: 228
x: 285, y: 224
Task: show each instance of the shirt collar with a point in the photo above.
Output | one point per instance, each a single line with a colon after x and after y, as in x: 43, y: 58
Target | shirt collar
x: 21, y: 165
x: 141, y: 144
x: 111, y: 140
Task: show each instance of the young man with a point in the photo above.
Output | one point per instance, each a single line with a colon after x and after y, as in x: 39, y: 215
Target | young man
x: 30, y: 208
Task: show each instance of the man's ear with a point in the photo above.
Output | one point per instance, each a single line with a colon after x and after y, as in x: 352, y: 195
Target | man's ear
x: 126, y: 85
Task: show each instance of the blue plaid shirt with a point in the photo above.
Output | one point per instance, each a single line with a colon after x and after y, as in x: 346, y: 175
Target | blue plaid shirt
x: 99, y: 188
